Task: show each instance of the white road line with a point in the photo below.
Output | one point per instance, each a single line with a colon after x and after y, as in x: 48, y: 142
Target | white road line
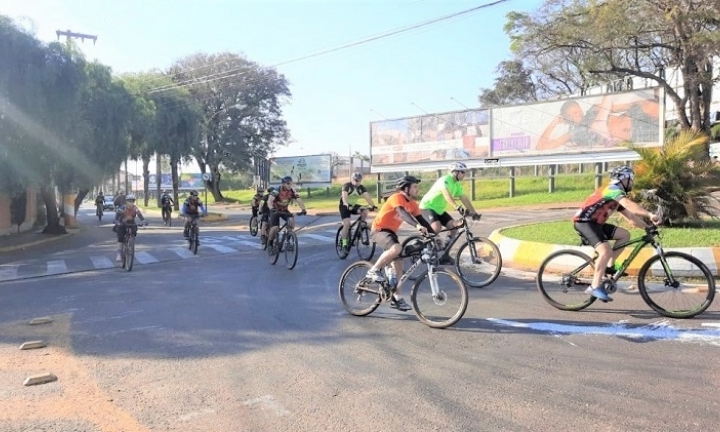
x: 101, y: 262
x: 145, y: 258
x: 8, y: 271
x: 319, y: 237
x: 220, y: 248
x: 255, y: 244
x: 55, y: 267
x: 183, y: 253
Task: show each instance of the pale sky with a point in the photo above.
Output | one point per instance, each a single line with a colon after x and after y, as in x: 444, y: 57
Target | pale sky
x: 333, y: 94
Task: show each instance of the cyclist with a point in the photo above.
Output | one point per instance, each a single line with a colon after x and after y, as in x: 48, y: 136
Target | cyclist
x: 166, y: 203
x: 590, y: 223
x: 126, y: 214
x: 191, y: 210
x: 265, y: 212
x: 446, y: 189
x: 99, y: 202
x: 354, y: 185
x: 119, y: 199
x: 278, y: 201
x: 255, y: 206
x: 400, y: 207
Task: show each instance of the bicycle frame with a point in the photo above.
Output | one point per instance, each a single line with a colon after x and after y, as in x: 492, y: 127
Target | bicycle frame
x: 464, y: 229
x: 354, y: 229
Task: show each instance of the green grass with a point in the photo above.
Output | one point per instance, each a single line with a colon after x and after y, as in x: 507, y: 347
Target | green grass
x: 562, y: 232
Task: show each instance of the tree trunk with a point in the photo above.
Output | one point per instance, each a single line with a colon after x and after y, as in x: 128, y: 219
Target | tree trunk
x: 82, y: 193
x: 213, y: 184
x: 53, y: 218
x: 175, y: 182
x: 127, y: 181
x: 146, y: 179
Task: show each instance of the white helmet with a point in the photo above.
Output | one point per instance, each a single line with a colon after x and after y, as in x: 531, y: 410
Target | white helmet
x: 458, y: 166
x: 130, y: 197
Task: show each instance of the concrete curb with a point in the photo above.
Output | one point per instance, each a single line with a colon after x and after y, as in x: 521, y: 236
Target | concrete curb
x: 37, y: 242
x: 526, y: 255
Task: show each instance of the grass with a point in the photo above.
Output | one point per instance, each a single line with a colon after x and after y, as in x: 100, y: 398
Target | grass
x: 489, y: 193
x: 562, y: 232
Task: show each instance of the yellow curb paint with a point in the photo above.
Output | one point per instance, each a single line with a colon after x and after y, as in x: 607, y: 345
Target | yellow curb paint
x: 35, y: 243
x: 716, y: 255
x: 531, y: 254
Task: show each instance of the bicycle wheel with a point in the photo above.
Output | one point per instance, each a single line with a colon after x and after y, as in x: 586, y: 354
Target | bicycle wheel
x: 195, y: 236
x: 277, y: 246
x: 130, y: 253
x: 448, y: 306
x: 696, y: 292
x: 566, y: 274
x: 342, y: 252
x: 291, y: 250
x: 364, y: 246
x: 478, y: 262
x: 359, y: 296
x: 253, y: 226
x: 99, y: 214
x: 408, y: 261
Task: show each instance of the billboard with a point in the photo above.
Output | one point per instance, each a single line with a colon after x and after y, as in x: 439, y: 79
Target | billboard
x: 308, y: 171
x: 450, y: 136
x: 186, y: 181
x: 578, y: 125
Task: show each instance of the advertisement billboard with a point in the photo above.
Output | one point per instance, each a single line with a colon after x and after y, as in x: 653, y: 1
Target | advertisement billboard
x: 577, y: 125
x: 437, y: 137
x: 186, y: 181
x: 308, y: 171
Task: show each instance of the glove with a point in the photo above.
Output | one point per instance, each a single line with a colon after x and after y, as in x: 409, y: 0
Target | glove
x: 373, y: 208
x: 302, y: 213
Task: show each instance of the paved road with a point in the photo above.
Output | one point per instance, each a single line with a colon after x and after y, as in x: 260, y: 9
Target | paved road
x: 226, y: 342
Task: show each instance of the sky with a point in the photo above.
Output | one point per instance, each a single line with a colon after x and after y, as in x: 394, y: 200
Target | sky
x: 335, y: 95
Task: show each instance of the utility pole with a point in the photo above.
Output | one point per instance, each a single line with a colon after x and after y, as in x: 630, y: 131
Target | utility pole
x: 69, y: 34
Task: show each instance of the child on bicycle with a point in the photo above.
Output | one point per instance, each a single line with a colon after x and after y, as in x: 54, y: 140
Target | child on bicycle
x: 590, y: 224
x: 126, y: 216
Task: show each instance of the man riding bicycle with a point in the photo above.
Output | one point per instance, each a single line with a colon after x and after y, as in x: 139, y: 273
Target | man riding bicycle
x: 446, y: 190
x: 99, y: 202
x: 191, y: 210
x: 590, y: 224
x: 166, y: 203
x: 126, y: 216
x: 400, y: 207
x: 278, y: 202
x: 255, y: 205
x: 265, y: 212
x: 354, y: 185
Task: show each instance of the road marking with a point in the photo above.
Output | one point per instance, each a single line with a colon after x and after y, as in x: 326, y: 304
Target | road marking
x: 8, y: 271
x: 183, y: 253
x: 254, y: 244
x: 145, y: 258
x: 56, y: 267
x: 267, y: 403
x: 221, y: 248
x: 319, y: 237
x: 101, y: 262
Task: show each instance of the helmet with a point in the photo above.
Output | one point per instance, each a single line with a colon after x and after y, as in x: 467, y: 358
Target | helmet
x: 406, y: 181
x: 287, y: 179
x: 458, y: 166
x: 193, y: 193
x: 166, y: 191
x: 621, y: 173
x: 414, y: 246
x: 357, y: 176
x: 100, y: 193
x: 270, y: 189
x: 130, y: 197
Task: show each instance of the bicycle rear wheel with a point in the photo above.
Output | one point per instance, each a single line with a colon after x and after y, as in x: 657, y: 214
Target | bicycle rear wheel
x: 695, y: 293
x: 448, y: 306
x: 364, y: 246
x: 563, y: 279
x: 359, y: 296
x: 478, y: 262
x: 253, y: 226
x: 291, y: 250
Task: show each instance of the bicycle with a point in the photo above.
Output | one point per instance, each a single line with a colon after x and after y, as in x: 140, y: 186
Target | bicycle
x: 194, y: 235
x: 99, y: 211
x: 128, y: 247
x: 573, y: 273
x: 359, y: 235
x: 285, y: 241
x: 254, y: 225
x: 426, y: 247
x: 167, y: 215
x: 481, y: 250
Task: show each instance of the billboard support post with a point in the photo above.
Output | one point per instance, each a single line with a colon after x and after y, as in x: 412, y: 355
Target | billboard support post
x: 512, y: 182
x: 598, y: 174
x: 472, y: 184
x: 551, y: 182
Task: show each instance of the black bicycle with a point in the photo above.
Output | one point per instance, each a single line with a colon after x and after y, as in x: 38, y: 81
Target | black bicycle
x: 167, y: 214
x: 564, y: 278
x: 254, y: 225
x: 286, y: 241
x: 361, y: 296
x: 359, y: 236
x: 194, y: 235
x: 99, y: 211
x: 478, y: 260
x: 128, y: 247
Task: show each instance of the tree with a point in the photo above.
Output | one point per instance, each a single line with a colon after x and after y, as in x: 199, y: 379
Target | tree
x: 582, y: 42
x: 240, y: 103
x: 513, y: 85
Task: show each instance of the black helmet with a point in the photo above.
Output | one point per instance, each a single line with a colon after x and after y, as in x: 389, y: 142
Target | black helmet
x: 287, y: 179
x: 193, y: 193
x: 270, y: 189
x: 405, y: 181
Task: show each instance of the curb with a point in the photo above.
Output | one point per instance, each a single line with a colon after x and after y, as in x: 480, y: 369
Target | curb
x: 37, y: 242
x: 527, y: 255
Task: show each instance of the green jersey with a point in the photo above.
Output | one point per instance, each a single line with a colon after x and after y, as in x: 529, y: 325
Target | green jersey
x: 435, y: 200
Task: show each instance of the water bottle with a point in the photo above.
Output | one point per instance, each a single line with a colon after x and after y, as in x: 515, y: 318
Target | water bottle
x: 391, y: 276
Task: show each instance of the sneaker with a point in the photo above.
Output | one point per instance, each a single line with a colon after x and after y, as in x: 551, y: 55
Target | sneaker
x: 119, y: 257
x: 600, y: 294
x: 375, y: 275
x: 400, y: 305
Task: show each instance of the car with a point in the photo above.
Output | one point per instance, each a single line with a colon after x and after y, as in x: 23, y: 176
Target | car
x: 108, y: 203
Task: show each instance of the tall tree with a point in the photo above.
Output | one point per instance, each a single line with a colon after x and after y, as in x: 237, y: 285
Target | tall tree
x: 241, y: 106
x: 513, y: 85
x: 600, y: 41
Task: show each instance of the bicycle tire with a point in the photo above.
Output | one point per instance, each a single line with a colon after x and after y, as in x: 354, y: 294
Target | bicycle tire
x: 342, y: 252
x: 496, y: 271
x: 463, y: 299
x: 195, y: 236
x: 253, y: 226
x: 541, y: 285
x: 343, y: 298
x: 672, y: 314
x: 130, y: 253
x: 360, y: 241
x: 278, y: 241
x: 291, y: 262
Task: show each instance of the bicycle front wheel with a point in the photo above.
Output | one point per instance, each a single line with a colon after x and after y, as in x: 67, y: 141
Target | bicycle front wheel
x: 291, y: 250
x: 274, y: 251
x: 359, y: 296
x: 563, y: 280
x: 364, y: 246
x: 195, y: 236
x: 342, y: 252
x: 253, y: 226
x: 691, y: 294
x: 129, y: 253
x: 478, y: 262
x: 440, y: 300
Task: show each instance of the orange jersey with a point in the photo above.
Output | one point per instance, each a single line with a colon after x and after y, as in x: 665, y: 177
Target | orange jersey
x: 388, y: 219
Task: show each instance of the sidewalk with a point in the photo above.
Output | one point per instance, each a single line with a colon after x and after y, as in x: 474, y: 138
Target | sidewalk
x: 14, y: 242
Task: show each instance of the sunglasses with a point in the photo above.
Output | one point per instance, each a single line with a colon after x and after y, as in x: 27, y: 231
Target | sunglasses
x: 461, y: 172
